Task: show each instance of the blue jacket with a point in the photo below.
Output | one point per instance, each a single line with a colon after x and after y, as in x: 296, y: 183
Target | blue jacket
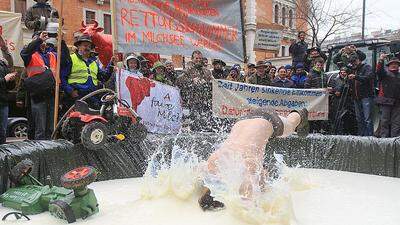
x: 299, y: 80
x: 83, y: 89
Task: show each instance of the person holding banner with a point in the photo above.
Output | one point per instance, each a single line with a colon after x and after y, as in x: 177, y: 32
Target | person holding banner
x: 262, y: 75
x: 247, y: 141
x: 282, y: 80
x: 195, y: 86
x: 6, y: 83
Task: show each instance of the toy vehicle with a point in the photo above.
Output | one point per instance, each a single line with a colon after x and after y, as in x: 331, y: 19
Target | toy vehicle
x: 70, y: 202
x: 93, y: 128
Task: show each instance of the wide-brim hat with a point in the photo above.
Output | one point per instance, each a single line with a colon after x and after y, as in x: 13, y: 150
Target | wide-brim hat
x: 251, y: 65
x: 393, y: 60
x: 218, y: 61
x: 83, y: 38
x: 261, y: 64
x: 313, y: 49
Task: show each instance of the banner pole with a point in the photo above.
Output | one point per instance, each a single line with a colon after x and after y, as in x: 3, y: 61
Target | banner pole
x: 58, y: 68
x: 245, y: 60
x: 114, y: 26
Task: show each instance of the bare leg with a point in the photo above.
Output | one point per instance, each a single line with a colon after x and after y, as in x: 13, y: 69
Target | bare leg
x: 249, y: 137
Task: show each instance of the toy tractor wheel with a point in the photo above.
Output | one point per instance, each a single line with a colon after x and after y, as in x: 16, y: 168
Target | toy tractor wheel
x: 94, y: 135
x: 62, y: 210
x: 20, y: 170
x: 79, y: 177
x: 66, y: 130
x: 138, y: 132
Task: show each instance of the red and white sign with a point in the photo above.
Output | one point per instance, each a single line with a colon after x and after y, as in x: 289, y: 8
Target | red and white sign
x: 158, y: 104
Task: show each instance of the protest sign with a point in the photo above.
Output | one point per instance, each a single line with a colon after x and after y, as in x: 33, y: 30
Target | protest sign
x: 180, y: 27
x: 158, y: 105
x: 11, y: 31
x: 234, y: 99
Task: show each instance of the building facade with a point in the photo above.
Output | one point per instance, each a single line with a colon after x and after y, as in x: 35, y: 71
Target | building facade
x: 75, y: 11
x: 285, y: 14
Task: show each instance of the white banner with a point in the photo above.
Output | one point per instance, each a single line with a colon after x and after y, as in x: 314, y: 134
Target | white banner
x: 11, y: 31
x: 233, y: 99
x: 158, y: 105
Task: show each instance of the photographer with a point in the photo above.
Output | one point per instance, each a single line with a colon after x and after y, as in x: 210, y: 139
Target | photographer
x: 40, y: 59
x: 389, y: 96
x: 38, y: 10
x: 298, y: 49
x: 342, y: 108
x: 6, y: 84
x: 362, y: 88
x: 342, y: 58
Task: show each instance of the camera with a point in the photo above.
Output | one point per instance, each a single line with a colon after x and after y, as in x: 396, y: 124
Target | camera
x: 52, y: 35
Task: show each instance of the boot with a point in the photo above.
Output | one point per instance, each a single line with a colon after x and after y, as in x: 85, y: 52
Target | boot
x: 207, y: 202
x: 304, y: 127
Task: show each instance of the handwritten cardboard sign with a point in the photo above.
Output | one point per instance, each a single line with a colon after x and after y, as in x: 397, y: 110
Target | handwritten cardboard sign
x: 158, y: 105
x: 180, y: 27
x: 234, y: 99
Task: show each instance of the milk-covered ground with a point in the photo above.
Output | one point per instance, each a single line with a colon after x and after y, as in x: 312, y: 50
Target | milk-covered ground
x: 334, y: 198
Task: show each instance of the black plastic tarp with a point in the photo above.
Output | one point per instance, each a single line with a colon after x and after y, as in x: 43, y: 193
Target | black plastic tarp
x: 128, y: 159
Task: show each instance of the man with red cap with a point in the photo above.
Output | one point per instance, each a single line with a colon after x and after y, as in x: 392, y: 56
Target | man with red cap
x: 389, y: 96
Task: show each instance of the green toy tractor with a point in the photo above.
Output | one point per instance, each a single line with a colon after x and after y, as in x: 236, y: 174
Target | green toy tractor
x: 70, y: 202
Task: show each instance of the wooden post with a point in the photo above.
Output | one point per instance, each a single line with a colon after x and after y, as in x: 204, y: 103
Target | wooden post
x: 114, y: 26
x: 58, y: 69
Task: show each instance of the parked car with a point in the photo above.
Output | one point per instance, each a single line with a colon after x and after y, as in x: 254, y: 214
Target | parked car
x: 17, y: 127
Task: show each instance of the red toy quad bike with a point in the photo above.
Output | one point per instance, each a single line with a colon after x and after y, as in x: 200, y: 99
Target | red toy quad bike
x: 93, y: 128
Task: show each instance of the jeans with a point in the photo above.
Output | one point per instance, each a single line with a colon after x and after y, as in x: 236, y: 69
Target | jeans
x: 363, y: 110
x: 390, y: 120
x: 3, y: 123
x: 43, y: 117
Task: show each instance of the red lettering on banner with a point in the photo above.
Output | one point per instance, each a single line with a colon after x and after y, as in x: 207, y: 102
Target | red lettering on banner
x: 131, y: 36
x: 162, y: 38
x: 1, y: 30
x: 232, y: 111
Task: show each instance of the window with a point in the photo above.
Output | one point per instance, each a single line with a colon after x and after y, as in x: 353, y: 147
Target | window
x: 90, y: 16
x: 283, y: 51
x: 107, y: 23
x: 284, y: 16
x: 276, y: 17
x: 291, y: 18
x: 20, y: 7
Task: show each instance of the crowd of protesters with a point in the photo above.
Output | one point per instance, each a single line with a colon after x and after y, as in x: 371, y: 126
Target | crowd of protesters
x: 351, y: 91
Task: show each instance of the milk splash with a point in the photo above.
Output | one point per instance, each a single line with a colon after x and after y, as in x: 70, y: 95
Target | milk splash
x: 183, y: 175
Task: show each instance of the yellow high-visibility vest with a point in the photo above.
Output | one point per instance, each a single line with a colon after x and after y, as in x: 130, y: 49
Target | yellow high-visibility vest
x: 80, y: 73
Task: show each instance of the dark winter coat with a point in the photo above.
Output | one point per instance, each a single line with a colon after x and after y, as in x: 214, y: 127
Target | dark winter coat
x: 284, y: 83
x: 363, y: 84
x: 298, y: 51
x: 316, y: 79
x: 33, y: 14
x: 5, y: 86
x: 389, y: 82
